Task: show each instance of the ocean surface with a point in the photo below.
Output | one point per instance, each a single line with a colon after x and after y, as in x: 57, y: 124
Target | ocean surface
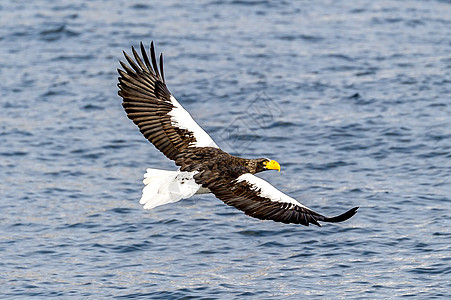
x: 352, y: 98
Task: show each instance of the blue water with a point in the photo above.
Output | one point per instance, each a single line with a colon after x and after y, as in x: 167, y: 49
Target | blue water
x: 353, y: 99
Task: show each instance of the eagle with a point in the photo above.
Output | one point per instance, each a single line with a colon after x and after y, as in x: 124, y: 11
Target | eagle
x: 203, y: 166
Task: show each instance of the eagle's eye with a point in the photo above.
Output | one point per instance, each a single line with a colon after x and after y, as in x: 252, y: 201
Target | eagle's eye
x: 264, y: 163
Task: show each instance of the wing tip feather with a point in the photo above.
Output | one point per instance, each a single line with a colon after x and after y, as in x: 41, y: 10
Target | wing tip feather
x: 343, y: 217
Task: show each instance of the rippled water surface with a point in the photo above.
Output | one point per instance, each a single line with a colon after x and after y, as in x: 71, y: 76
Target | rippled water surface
x: 353, y: 99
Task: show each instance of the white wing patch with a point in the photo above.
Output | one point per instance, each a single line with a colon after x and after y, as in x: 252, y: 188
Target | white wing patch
x: 266, y: 190
x: 182, y: 119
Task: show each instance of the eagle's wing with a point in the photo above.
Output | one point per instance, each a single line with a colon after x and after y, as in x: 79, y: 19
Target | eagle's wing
x: 150, y: 105
x: 259, y: 199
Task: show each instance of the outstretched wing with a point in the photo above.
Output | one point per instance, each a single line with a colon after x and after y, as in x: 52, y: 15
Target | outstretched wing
x: 149, y: 104
x: 259, y: 199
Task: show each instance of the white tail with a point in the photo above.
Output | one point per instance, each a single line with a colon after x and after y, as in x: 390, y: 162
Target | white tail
x: 164, y: 187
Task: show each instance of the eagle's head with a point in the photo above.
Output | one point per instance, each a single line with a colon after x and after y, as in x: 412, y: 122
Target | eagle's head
x: 264, y: 164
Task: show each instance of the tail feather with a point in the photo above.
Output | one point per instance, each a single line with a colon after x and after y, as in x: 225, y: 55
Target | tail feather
x: 163, y: 187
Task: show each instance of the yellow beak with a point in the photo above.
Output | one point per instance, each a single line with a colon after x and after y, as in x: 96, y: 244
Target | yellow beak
x: 273, y: 165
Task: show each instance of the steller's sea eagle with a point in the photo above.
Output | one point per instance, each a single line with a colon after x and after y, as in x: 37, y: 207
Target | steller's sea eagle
x: 204, y: 167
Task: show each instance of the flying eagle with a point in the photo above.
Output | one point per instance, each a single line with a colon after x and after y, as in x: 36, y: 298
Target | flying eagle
x: 204, y: 167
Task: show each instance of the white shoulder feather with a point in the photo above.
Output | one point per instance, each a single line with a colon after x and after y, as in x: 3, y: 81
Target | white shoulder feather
x: 182, y: 119
x: 266, y: 190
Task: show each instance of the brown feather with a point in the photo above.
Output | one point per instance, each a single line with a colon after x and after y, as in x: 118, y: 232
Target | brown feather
x: 147, y: 101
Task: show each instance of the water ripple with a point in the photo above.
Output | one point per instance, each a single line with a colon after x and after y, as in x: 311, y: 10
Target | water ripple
x: 351, y: 98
